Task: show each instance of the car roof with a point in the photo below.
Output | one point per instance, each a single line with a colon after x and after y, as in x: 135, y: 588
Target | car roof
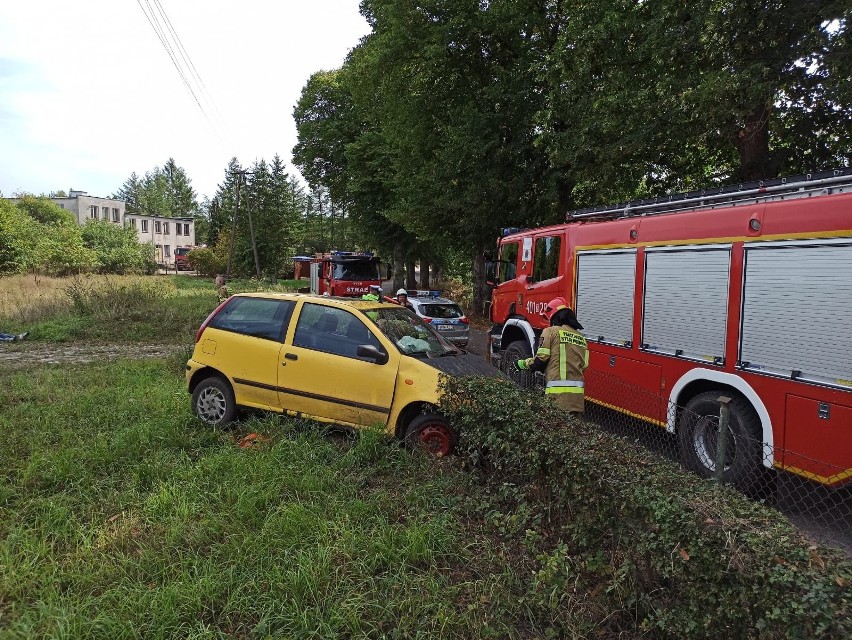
x: 332, y: 301
x: 431, y: 300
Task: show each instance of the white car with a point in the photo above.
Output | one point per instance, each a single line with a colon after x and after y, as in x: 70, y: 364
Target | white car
x: 445, y: 316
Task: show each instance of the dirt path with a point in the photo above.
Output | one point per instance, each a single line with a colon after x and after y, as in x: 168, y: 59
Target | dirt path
x: 19, y: 355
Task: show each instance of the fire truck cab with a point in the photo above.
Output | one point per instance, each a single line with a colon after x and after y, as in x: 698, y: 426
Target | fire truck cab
x: 344, y: 273
x: 743, y: 292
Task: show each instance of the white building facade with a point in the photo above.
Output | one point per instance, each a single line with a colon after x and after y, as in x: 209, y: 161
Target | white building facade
x: 166, y: 234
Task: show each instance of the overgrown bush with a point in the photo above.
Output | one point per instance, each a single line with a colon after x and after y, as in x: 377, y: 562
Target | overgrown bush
x: 113, y: 299
x: 205, y: 262
x: 621, y: 542
x: 117, y: 249
x: 38, y: 235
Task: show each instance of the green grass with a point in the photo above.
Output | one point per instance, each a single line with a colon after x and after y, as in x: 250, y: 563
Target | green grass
x: 121, y: 516
x: 142, y: 309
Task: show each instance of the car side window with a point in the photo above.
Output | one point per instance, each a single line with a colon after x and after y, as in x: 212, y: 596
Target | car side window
x: 332, y: 330
x: 257, y: 317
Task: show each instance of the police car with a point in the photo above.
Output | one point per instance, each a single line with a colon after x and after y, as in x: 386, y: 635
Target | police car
x: 445, y: 316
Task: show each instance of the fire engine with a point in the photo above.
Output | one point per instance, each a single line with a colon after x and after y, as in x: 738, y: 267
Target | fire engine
x: 742, y: 291
x: 342, y: 273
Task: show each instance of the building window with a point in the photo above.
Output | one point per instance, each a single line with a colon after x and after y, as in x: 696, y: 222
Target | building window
x: 178, y: 229
x: 132, y: 222
x: 144, y: 226
x: 93, y: 212
x: 166, y: 228
x: 186, y: 229
x: 157, y: 226
x: 115, y: 215
x: 167, y: 250
x: 61, y: 206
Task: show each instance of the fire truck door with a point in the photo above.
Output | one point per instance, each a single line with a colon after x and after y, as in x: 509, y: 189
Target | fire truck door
x: 545, y: 279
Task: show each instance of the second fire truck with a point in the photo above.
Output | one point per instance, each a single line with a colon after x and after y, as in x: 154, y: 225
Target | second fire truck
x: 744, y: 292
x: 343, y: 273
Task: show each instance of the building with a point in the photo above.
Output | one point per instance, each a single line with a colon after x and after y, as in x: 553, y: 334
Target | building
x: 85, y: 207
x: 166, y: 234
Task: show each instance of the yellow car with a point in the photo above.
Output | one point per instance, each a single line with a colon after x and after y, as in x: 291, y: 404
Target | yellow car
x: 353, y: 362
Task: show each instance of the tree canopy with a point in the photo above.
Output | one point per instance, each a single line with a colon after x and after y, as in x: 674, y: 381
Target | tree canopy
x: 453, y: 118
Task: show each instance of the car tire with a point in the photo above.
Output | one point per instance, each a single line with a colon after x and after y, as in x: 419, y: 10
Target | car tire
x: 432, y: 432
x: 697, y: 434
x: 213, y: 402
x: 518, y: 350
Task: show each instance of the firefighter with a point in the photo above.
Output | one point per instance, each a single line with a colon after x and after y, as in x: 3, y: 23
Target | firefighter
x: 562, y: 355
x: 221, y: 287
x: 402, y: 299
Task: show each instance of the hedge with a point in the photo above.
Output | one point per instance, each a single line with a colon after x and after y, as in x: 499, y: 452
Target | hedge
x: 619, y: 542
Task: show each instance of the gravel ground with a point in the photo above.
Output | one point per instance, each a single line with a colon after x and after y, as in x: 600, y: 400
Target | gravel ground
x: 22, y: 354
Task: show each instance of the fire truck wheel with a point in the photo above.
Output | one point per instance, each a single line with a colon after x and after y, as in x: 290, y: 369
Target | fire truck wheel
x: 697, y: 429
x: 213, y: 402
x: 433, y: 432
x: 518, y: 350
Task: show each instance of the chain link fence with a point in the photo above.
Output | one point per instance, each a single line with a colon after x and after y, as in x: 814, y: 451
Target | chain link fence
x: 719, y: 437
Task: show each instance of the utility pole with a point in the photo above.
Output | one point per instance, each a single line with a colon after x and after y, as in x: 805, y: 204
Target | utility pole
x: 251, y: 231
x: 233, y: 231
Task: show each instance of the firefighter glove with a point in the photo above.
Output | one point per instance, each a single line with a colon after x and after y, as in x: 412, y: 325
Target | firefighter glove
x: 523, y: 365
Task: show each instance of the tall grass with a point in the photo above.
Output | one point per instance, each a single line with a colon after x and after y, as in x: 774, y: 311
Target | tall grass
x: 123, y: 517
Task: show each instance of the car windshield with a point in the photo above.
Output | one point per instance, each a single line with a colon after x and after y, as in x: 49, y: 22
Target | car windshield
x: 356, y: 270
x: 181, y: 252
x: 409, y: 333
x: 441, y: 310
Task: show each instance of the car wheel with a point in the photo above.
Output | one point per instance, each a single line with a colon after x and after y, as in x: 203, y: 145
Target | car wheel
x: 518, y: 350
x: 433, y: 432
x: 213, y: 402
x: 698, y: 434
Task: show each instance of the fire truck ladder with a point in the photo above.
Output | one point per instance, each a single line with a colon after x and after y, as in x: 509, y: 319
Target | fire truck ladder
x: 800, y: 186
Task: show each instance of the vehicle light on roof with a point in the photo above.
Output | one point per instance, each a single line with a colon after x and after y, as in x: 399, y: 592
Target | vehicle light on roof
x: 423, y: 293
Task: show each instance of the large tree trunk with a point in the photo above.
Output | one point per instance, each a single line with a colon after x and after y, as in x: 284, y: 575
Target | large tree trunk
x: 410, y: 276
x: 752, y: 142
x: 437, y: 274
x: 480, y: 288
x: 424, y: 274
x: 398, y: 271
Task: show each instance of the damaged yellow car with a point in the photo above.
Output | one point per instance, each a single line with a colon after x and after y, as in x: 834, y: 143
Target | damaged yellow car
x: 352, y: 362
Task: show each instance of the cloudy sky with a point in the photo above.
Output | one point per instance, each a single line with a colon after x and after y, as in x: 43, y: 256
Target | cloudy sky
x: 88, y: 93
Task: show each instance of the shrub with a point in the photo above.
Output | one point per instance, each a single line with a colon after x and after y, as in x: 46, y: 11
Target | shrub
x: 114, y: 299
x: 205, y: 262
x: 620, y: 541
x: 117, y: 249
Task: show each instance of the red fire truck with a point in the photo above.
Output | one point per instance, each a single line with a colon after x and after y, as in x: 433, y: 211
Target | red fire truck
x: 342, y: 273
x: 741, y: 291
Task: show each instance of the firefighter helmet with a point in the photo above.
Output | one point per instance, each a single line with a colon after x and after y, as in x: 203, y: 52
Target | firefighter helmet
x: 402, y: 292
x: 553, y: 306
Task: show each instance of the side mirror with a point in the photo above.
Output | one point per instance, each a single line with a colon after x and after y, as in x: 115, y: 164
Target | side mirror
x: 371, y: 353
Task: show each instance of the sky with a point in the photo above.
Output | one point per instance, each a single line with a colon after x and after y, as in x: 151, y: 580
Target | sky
x: 88, y: 94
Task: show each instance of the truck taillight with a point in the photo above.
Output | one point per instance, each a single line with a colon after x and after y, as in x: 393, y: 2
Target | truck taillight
x: 426, y: 319
x: 464, y: 320
x: 209, y: 319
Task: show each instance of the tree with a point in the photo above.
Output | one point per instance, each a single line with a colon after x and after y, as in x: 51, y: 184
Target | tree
x: 117, y: 248
x: 163, y: 192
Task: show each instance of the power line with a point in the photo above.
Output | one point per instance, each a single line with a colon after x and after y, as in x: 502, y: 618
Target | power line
x: 188, y: 79
x: 188, y: 60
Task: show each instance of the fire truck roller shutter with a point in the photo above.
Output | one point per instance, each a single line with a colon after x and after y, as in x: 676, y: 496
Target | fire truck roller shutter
x: 686, y: 302
x: 605, y: 289
x: 797, y: 311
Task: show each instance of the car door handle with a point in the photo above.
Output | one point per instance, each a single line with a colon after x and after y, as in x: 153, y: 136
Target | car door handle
x: 291, y: 356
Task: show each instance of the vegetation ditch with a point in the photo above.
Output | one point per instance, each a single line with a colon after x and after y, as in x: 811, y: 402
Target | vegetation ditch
x: 123, y: 517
